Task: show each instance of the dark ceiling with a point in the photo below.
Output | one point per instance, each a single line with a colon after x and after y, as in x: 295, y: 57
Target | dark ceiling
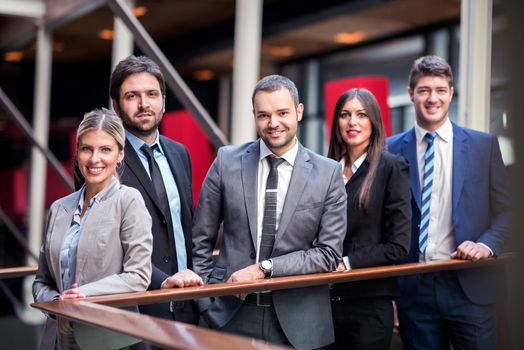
x: 198, y: 35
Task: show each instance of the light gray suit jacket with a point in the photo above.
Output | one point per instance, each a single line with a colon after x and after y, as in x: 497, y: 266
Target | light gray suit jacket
x: 309, y: 237
x: 114, y: 250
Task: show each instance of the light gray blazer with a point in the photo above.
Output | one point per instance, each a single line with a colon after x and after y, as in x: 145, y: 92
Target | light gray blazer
x: 309, y: 238
x: 114, y: 250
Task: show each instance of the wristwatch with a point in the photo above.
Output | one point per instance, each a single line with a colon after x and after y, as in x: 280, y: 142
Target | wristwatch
x: 267, y: 267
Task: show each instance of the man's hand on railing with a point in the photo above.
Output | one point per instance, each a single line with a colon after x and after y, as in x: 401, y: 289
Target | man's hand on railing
x: 184, y: 278
x: 247, y: 274
x: 72, y: 293
x: 469, y: 250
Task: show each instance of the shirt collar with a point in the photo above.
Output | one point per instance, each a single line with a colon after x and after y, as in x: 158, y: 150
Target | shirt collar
x: 290, y: 156
x: 445, y: 132
x: 137, y: 143
x: 356, y: 164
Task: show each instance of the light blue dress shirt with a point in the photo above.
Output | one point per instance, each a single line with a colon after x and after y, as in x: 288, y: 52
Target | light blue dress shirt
x: 171, y: 189
x: 68, y: 251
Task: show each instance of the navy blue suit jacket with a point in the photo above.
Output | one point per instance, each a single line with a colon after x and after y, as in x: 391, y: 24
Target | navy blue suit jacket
x: 481, y: 206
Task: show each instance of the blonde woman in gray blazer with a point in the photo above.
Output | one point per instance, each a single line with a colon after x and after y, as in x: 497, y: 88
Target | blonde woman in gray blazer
x: 97, y: 240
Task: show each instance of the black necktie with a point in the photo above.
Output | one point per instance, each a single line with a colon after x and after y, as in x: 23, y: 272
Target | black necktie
x: 158, y: 182
x: 270, y: 209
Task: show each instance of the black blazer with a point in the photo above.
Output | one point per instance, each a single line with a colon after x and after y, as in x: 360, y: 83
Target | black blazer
x: 164, y: 250
x: 379, y: 234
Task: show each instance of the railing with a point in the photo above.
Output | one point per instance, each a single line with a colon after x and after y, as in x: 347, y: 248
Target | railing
x: 21, y: 271
x: 100, y: 311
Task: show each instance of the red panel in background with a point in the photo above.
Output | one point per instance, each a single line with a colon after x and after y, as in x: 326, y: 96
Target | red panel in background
x: 182, y: 127
x: 13, y: 196
x: 378, y: 85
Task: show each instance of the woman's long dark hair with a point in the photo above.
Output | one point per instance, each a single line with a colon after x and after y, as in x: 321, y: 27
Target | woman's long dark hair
x: 377, y: 143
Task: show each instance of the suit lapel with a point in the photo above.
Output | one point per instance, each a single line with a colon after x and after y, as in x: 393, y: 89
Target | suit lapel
x: 249, y: 185
x: 177, y: 168
x: 63, y: 220
x: 176, y: 165
x: 299, y: 179
x: 134, y: 165
x: 460, y: 163
x: 409, y: 152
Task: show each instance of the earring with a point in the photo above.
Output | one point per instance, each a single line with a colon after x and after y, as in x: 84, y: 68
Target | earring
x: 119, y: 165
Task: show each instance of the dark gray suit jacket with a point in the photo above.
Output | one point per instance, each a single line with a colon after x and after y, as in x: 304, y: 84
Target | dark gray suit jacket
x: 309, y: 238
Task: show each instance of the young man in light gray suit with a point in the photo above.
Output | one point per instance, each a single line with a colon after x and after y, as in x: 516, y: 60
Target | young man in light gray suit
x: 284, y: 219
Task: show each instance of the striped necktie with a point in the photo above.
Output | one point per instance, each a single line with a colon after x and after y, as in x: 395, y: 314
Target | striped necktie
x: 427, y: 184
x: 270, y: 209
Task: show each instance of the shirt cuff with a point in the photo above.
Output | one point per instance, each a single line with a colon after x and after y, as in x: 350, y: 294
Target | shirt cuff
x: 490, y: 251
x: 347, y: 265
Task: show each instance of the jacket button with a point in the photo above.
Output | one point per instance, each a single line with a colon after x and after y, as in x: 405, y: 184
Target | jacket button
x: 252, y: 255
x: 166, y: 259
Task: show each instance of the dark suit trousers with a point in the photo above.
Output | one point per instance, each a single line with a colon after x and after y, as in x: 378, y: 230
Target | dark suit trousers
x: 362, y: 323
x: 257, y: 322
x: 442, y: 315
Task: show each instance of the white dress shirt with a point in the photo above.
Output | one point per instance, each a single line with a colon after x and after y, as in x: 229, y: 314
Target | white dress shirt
x: 284, y: 177
x: 354, y: 167
x: 441, y: 235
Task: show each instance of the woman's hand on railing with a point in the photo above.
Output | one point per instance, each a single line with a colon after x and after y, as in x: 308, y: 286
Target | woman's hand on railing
x: 396, y: 322
x: 72, y: 293
x: 184, y: 278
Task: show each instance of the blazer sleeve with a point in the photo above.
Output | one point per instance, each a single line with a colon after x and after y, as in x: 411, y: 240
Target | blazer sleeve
x: 500, y: 202
x: 44, y: 286
x: 326, y: 250
x: 396, y: 226
x: 206, y: 223
x: 137, y: 243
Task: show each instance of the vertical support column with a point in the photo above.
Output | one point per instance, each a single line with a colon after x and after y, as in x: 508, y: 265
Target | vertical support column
x: 224, y: 104
x: 246, y: 67
x: 314, y: 126
x: 41, y: 131
x: 122, y: 42
x: 475, y: 64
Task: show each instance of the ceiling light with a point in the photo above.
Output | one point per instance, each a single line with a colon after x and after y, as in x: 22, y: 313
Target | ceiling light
x: 106, y: 34
x: 204, y: 74
x: 278, y: 51
x: 13, y: 56
x: 349, y: 38
x: 140, y: 11
x: 58, y: 46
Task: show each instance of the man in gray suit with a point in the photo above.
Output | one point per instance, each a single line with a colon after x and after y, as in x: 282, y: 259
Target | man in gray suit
x: 281, y: 216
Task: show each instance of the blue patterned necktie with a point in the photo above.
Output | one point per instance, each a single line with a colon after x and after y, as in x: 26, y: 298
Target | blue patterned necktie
x: 427, y: 184
x: 270, y: 209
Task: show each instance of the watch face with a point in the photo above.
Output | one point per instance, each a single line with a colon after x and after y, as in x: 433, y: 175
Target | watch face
x: 267, y: 265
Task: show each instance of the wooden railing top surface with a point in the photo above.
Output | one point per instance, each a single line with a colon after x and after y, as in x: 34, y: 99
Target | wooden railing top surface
x: 98, y: 311
x: 20, y: 271
x: 177, y: 294
x: 160, y: 332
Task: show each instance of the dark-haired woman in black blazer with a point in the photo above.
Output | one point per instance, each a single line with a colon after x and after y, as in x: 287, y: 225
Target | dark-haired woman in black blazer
x: 378, y: 221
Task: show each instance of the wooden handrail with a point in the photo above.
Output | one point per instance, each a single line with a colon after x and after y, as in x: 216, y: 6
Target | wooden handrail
x: 160, y: 332
x: 99, y: 311
x: 163, y: 295
x: 21, y: 271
